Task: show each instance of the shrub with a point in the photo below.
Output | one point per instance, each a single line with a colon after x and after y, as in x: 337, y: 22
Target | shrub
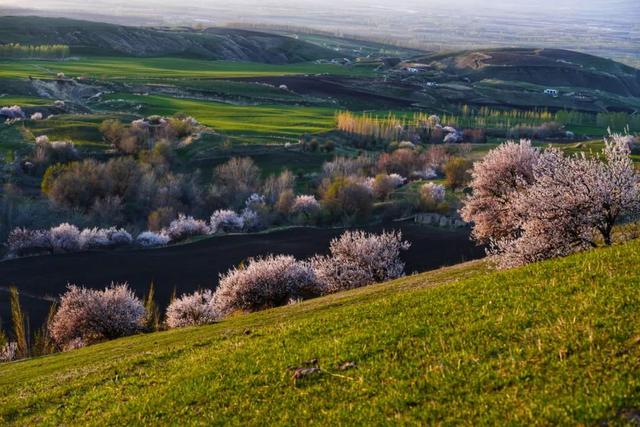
x: 14, y: 112
x: 47, y: 152
x: 348, y: 166
x: 65, y: 238
x: 101, y: 238
x: 186, y: 226
x: 305, y: 205
x: 149, y: 239
x: 432, y: 194
x: 348, y: 197
x: 236, y: 180
x: 357, y: 259
x: 192, y: 310
x: 456, y: 172
x: 275, y: 186
x: 118, y: 237
x: 264, y: 283
x: 92, y: 315
x: 226, y: 221
x: 22, y: 241
x: 161, y: 218
x: 93, y: 238
x: 285, y: 202
x: 402, y: 162
x: 250, y: 220
x: 8, y: 351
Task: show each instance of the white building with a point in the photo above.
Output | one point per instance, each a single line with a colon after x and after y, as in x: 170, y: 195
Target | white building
x: 551, y: 92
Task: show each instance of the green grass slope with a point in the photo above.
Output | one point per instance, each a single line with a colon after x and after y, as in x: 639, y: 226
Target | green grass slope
x: 552, y: 343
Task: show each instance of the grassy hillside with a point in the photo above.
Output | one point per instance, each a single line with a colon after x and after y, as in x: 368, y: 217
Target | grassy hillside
x: 148, y: 69
x: 553, y: 343
x: 84, y: 37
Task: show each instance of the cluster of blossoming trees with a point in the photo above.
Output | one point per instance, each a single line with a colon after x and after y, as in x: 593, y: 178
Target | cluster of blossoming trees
x: 66, y: 237
x: 86, y: 316
x: 529, y: 204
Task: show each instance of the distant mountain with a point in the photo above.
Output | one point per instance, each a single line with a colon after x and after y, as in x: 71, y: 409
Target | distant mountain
x: 86, y: 37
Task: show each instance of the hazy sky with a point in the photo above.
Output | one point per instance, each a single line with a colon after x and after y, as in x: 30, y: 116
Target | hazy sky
x: 606, y: 27
x: 245, y: 8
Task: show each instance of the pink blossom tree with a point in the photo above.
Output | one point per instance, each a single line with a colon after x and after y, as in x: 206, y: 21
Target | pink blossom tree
x: 358, y: 259
x: 495, y: 180
x: 573, y: 204
x: 192, y: 310
x: 263, y: 283
x: 87, y: 316
x: 186, y: 226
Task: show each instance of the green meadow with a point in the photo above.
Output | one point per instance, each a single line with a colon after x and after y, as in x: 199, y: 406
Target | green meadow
x: 554, y: 343
x: 247, y: 123
x: 127, y: 68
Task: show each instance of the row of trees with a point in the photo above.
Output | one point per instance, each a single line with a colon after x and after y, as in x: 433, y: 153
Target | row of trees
x: 44, y: 51
x: 513, y: 123
x: 529, y: 205
x: 86, y: 316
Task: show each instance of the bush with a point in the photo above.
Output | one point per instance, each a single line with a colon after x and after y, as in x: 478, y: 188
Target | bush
x: 456, y: 172
x: 101, y: 238
x: 265, y: 283
x: 305, y: 205
x: 149, y: 239
x: 358, y: 259
x: 235, y: 180
x: 186, y: 226
x: 47, y: 152
x: 226, y: 221
x: 431, y: 195
x: 8, y: 351
x: 65, y: 238
x: 118, y: 237
x: 192, y: 310
x: 14, y: 113
x: 91, y: 316
x: 348, y: 197
x: 22, y: 241
x: 93, y: 238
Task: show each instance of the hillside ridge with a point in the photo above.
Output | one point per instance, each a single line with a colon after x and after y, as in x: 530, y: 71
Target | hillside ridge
x: 87, y: 37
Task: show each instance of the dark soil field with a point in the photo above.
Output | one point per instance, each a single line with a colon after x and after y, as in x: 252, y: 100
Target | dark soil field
x: 334, y: 87
x: 198, y: 265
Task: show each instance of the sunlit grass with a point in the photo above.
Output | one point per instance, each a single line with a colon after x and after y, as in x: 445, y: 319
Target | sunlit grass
x: 554, y: 343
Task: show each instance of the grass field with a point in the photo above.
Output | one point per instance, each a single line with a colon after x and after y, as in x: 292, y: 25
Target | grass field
x: 161, y: 68
x: 251, y: 123
x: 555, y: 343
x: 24, y: 101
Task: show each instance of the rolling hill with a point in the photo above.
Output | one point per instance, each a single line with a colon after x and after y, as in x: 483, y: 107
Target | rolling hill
x: 547, y: 67
x: 94, y: 38
x: 556, y: 343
